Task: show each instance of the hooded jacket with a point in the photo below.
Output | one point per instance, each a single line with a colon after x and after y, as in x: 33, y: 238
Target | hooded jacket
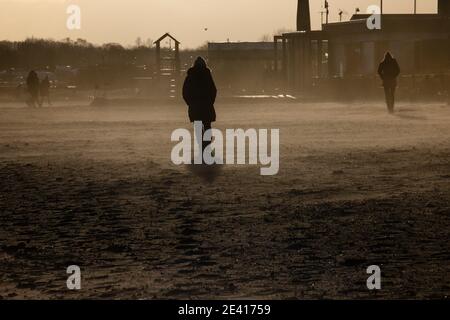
x: 389, y: 70
x: 199, y: 92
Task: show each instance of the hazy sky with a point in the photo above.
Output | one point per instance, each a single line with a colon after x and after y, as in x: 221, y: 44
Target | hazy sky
x: 123, y: 21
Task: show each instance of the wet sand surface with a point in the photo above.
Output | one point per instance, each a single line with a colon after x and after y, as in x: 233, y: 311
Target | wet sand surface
x: 95, y: 187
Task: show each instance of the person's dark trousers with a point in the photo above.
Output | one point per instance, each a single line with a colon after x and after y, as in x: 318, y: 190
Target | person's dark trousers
x: 389, y: 92
x: 45, y: 98
x: 34, y: 99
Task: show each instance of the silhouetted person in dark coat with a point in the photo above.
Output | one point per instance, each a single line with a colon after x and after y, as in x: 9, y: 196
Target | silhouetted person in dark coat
x: 33, y: 88
x: 389, y: 70
x: 44, y: 90
x: 199, y: 92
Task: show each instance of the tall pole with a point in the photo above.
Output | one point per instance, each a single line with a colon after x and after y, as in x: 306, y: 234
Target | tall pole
x: 415, y: 6
x: 303, y: 16
x: 381, y: 6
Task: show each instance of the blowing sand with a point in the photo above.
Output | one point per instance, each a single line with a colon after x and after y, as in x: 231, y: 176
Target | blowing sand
x: 95, y: 187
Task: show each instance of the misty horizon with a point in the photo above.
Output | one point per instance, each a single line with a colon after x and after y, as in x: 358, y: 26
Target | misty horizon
x: 124, y: 23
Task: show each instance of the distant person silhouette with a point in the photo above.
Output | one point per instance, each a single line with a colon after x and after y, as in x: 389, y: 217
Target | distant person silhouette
x: 199, y: 92
x: 44, y: 90
x: 389, y: 70
x: 33, y: 88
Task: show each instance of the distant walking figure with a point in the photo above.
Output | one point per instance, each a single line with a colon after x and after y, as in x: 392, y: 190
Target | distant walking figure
x: 389, y: 70
x: 33, y: 88
x: 44, y: 91
x: 199, y: 92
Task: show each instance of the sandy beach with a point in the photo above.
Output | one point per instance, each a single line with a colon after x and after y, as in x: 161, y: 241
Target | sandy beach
x: 95, y: 187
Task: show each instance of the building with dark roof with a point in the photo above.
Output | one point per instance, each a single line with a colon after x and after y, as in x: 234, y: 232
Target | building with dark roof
x: 242, y: 67
x: 350, y: 51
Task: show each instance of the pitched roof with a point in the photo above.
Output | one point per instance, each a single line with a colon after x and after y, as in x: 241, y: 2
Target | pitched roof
x: 165, y: 36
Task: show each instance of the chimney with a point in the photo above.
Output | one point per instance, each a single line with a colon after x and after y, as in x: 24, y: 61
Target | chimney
x: 303, y: 16
x: 444, y: 8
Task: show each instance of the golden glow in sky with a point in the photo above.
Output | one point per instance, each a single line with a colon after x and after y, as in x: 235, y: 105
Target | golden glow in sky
x: 194, y: 22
